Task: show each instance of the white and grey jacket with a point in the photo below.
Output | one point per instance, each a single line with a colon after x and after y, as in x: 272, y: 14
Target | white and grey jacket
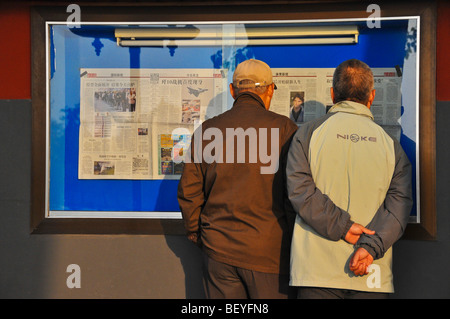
x: 344, y: 168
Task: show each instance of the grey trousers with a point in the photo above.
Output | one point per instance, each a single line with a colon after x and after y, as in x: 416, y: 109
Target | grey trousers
x: 222, y: 281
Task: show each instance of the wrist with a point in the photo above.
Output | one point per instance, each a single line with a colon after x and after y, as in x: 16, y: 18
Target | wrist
x: 369, y: 249
x: 347, y: 227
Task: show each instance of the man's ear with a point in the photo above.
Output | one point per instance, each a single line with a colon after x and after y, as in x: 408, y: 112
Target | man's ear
x: 233, y: 93
x: 371, y: 98
x: 332, y: 95
x: 267, y: 96
x: 271, y: 90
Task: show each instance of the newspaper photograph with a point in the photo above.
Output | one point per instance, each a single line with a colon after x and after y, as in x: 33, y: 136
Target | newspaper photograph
x: 172, y: 149
x: 298, y: 94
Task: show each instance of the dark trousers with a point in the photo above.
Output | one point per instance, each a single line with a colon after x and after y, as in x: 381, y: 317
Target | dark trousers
x: 223, y: 281
x: 331, y: 293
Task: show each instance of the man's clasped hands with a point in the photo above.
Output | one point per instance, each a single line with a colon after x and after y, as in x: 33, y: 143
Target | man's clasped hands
x: 361, y: 259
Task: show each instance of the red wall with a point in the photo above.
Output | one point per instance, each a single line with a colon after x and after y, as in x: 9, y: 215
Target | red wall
x: 15, y: 66
x: 443, y: 52
x: 15, y: 70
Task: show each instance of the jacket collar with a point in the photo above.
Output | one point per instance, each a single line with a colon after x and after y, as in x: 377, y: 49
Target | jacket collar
x: 249, y: 96
x: 352, y: 108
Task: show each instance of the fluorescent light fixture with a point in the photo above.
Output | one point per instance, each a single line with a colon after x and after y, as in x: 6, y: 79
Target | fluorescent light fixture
x: 213, y: 36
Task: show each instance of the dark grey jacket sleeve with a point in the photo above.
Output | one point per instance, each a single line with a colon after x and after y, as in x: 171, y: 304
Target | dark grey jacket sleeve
x: 314, y: 207
x: 391, y: 219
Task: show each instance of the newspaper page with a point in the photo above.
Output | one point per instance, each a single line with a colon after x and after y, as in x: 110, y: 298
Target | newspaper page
x: 301, y: 87
x: 181, y: 100
x: 124, y: 113
x: 309, y: 90
x: 387, y: 105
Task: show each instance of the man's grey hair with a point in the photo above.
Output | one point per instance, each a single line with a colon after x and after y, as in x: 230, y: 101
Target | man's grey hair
x: 353, y: 81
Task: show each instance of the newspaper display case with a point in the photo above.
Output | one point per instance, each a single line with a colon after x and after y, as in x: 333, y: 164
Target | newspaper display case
x: 122, y: 99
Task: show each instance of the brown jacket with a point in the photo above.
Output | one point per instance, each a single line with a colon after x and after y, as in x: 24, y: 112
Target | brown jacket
x: 241, y: 216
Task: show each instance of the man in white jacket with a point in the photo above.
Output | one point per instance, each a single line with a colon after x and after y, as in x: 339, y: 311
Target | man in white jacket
x: 345, y: 170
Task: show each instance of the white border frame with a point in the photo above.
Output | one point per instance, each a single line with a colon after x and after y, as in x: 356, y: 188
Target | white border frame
x: 177, y: 215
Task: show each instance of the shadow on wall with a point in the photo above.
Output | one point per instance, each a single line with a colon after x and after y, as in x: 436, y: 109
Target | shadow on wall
x: 189, y: 254
x: 191, y: 260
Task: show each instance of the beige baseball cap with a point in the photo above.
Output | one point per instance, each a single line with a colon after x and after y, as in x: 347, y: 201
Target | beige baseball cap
x: 251, y: 74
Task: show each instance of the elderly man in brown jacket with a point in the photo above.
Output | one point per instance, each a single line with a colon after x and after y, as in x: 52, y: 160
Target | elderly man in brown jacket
x: 232, y: 192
